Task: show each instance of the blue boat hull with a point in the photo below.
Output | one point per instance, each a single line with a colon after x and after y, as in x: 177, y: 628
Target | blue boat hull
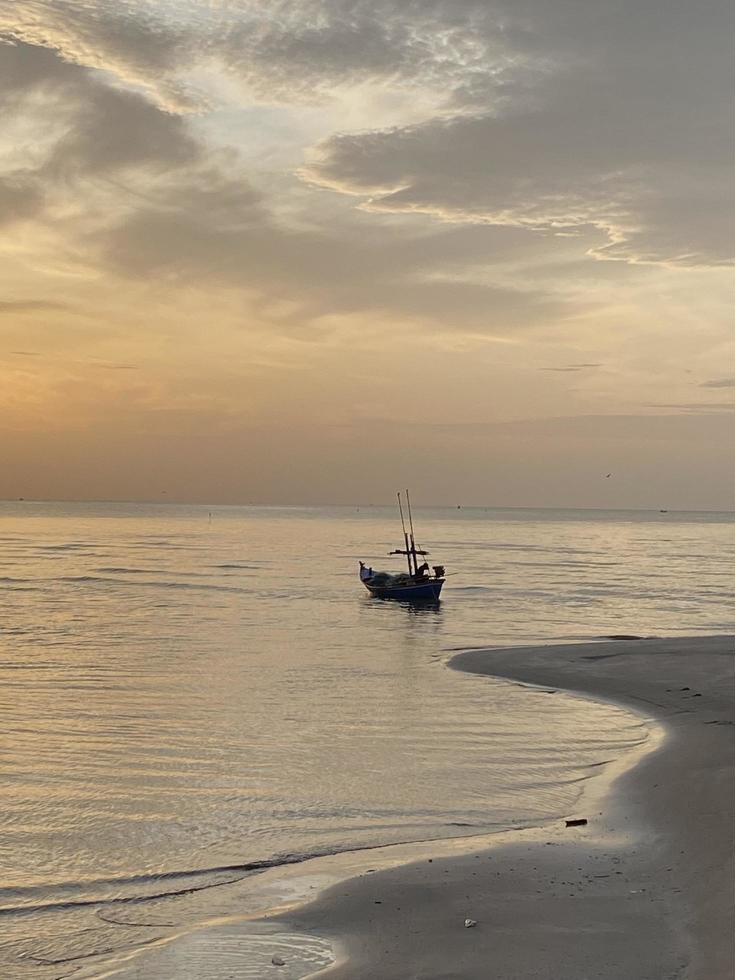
x: 420, y: 592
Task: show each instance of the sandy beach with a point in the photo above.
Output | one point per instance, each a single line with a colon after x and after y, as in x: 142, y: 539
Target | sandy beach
x: 644, y: 891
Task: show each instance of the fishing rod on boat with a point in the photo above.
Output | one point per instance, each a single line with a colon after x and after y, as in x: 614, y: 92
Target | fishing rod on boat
x: 416, y: 550
x: 413, y: 543
x: 400, y: 510
x: 410, y: 546
x: 405, y: 533
x: 410, y: 515
x: 411, y: 552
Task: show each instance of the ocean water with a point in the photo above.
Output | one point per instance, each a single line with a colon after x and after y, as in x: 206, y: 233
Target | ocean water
x: 192, y: 694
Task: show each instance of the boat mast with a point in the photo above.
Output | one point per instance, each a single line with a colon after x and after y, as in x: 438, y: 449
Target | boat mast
x: 413, y: 543
x: 405, y: 534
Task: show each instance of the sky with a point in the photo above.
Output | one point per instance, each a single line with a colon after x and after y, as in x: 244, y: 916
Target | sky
x: 312, y: 251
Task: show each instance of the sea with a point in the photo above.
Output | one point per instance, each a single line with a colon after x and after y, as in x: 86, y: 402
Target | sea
x: 194, y: 696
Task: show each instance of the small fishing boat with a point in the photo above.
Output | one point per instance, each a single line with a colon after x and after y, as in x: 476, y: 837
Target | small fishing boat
x: 421, y: 583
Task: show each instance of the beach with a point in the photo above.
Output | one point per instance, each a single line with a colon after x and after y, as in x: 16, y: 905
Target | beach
x: 643, y: 891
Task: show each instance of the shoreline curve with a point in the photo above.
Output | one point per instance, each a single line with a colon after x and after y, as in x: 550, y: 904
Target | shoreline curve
x: 645, y: 890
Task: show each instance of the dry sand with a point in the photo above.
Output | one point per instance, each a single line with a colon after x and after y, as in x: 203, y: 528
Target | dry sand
x: 646, y: 891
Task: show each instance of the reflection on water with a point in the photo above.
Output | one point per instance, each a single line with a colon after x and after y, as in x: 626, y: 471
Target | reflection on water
x: 187, y: 700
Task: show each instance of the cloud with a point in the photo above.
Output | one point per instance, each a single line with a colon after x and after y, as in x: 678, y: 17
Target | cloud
x: 126, y: 39
x: 30, y: 306
x: 162, y: 205
x: 100, y: 128
x: 687, y: 408
x: 114, y: 130
x: 25, y: 66
x: 83, y: 129
x: 571, y: 367
x: 535, y: 136
x: 118, y: 367
x: 549, y: 115
x: 625, y: 133
x: 20, y: 198
x: 719, y: 383
x: 305, y: 50
x: 292, y: 51
x: 321, y: 273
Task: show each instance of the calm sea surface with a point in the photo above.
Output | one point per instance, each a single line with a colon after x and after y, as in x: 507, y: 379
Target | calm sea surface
x: 189, y: 693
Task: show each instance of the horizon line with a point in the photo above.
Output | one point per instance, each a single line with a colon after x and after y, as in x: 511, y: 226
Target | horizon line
x: 357, y: 505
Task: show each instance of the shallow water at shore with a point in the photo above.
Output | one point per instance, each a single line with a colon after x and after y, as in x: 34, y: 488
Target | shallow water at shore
x: 190, y: 695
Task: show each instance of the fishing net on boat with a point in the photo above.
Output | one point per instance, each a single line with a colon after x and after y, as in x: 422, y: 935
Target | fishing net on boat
x: 388, y: 579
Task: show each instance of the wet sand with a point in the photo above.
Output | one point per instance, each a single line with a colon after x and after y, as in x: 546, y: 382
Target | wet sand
x: 644, y: 891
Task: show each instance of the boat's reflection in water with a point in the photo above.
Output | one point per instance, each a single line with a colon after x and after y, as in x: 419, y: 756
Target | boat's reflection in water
x: 422, y: 618
x: 425, y: 608
x: 415, y: 607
